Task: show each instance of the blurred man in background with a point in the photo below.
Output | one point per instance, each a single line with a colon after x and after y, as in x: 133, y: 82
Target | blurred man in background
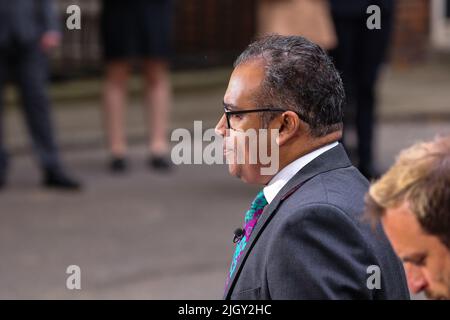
x: 413, y: 202
x: 358, y: 56
x: 302, y: 237
x: 28, y: 30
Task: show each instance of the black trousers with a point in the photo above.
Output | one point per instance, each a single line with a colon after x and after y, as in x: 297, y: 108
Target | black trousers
x: 27, y: 66
x: 358, y: 57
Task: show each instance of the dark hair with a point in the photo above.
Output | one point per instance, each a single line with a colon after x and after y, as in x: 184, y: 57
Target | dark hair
x: 299, y: 76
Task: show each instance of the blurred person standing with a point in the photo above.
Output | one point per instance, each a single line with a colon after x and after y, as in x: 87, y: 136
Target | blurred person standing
x: 359, y: 56
x: 28, y: 31
x: 137, y: 31
x: 412, y: 200
x: 308, y: 18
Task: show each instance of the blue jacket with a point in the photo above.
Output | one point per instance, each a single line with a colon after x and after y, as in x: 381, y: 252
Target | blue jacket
x: 25, y: 21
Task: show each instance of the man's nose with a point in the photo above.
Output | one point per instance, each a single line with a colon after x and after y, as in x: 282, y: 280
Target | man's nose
x: 416, y: 279
x: 418, y: 285
x: 220, y: 128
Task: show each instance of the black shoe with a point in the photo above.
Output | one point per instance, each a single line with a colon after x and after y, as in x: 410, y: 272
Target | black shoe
x: 118, y: 165
x: 2, y: 181
x: 60, y: 180
x: 161, y: 163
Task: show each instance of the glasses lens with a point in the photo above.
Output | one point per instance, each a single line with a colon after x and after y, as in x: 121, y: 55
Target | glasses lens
x: 233, y: 121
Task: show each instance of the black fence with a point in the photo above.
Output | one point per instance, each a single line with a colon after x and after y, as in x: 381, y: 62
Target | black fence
x: 206, y: 33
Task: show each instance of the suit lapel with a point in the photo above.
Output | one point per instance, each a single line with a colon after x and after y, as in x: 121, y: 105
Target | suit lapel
x: 333, y: 159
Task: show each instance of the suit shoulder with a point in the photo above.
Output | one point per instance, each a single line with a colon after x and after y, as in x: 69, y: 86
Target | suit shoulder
x: 342, y: 188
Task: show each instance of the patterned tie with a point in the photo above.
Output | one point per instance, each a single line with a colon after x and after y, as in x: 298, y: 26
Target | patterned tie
x: 251, y: 217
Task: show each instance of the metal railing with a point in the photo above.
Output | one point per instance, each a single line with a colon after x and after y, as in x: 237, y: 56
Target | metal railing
x: 206, y: 33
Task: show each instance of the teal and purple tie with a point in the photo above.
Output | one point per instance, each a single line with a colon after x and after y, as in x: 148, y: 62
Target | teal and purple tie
x: 251, y: 218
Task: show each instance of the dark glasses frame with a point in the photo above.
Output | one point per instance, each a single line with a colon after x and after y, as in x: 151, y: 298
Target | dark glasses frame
x: 229, y: 113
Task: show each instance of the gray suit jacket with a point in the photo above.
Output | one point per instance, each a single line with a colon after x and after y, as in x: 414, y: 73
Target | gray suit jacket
x: 311, y: 241
x: 24, y: 21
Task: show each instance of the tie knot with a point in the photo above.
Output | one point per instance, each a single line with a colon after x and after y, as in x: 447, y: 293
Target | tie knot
x: 260, y: 200
x: 256, y: 207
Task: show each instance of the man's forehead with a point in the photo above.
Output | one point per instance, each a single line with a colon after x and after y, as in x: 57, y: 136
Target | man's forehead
x: 245, y: 83
x: 251, y: 68
x: 403, y: 229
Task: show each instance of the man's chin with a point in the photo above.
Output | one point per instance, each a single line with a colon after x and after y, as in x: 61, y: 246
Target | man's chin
x: 234, y: 171
x: 244, y: 176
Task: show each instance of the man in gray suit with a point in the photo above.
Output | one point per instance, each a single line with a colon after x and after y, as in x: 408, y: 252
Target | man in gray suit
x: 303, y: 236
x: 28, y: 29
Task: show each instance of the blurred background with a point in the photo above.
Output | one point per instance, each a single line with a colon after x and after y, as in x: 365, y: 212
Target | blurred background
x: 148, y: 234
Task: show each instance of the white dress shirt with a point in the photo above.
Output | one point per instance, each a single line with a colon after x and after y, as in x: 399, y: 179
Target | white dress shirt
x: 285, y: 174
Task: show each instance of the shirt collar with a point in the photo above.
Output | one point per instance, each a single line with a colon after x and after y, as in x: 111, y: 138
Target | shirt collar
x: 284, y: 175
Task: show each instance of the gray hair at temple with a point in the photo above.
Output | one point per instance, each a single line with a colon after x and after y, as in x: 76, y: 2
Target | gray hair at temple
x: 299, y: 76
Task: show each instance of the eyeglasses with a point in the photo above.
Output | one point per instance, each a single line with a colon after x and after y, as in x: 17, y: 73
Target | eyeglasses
x: 231, y: 114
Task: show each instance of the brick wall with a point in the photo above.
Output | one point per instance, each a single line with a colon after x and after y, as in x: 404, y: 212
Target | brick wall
x: 206, y: 33
x: 213, y: 32
x: 410, y: 39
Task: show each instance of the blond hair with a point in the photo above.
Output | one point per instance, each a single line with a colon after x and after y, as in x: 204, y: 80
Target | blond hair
x: 420, y: 176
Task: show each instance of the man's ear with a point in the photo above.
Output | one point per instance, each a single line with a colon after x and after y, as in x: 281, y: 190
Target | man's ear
x: 289, y: 126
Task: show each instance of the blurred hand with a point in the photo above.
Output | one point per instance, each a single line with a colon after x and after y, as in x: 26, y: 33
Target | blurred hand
x: 50, y: 40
